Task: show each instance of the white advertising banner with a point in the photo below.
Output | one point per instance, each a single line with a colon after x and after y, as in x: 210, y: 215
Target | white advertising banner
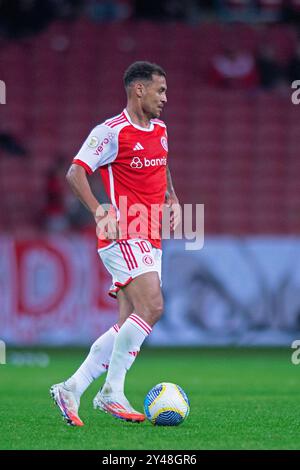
x: 235, y: 291
x: 232, y: 292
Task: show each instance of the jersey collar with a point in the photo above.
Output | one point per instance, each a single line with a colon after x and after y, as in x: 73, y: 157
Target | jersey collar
x: 136, y: 126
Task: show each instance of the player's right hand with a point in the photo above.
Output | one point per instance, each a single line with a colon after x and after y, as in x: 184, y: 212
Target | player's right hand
x: 107, y: 227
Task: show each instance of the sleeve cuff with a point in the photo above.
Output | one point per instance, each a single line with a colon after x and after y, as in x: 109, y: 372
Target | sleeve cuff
x: 84, y: 165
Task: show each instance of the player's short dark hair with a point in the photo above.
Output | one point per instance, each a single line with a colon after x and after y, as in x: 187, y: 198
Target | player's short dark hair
x: 142, y: 71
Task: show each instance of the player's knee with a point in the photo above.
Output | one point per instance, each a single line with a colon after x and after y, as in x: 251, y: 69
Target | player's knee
x: 156, y: 308
x: 150, y: 308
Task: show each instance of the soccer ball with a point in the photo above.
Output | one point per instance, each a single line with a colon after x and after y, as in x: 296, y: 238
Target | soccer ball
x: 166, y: 404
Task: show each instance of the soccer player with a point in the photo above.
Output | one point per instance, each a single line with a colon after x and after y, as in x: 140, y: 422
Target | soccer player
x: 130, y: 150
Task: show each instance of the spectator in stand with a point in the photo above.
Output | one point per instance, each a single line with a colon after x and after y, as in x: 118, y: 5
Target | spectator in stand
x: 270, y: 10
x: 149, y: 9
x: 25, y: 17
x: 108, y: 10
x: 234, y: 70
x: 293, y: 66
x: 68, y: 9
x: 291, y: 11
x: 171, y: 10
x: 54, y: 216
x: 177, y: 10
x: 21, y: 18
x: 10, y: 145
x: 236, y: 10
x: 271, y: 73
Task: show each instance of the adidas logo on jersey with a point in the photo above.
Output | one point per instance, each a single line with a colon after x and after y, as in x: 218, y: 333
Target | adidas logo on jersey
x: 138, y: 146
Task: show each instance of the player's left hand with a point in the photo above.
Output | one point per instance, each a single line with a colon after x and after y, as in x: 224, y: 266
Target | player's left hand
x: 171, y: 200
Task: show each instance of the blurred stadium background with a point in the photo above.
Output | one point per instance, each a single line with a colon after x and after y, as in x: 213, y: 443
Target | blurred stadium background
x: 234, y: 146
x: 234, y: 143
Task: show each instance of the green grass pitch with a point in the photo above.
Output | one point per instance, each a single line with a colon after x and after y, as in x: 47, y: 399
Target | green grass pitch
x: 240, y: 399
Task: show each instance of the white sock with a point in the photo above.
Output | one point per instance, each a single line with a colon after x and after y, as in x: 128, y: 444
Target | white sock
x: 126, y: 347
x: 95, y: 364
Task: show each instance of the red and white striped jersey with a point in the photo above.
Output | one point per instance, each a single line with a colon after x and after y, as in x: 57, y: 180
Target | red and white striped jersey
x: 132, y: 161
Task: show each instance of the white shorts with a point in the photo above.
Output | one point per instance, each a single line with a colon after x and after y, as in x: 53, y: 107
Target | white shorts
x: 127, y: 259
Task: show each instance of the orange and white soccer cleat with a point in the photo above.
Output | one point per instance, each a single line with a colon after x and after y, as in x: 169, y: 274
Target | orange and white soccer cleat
x: 67, y: 403
x: 117, y: 405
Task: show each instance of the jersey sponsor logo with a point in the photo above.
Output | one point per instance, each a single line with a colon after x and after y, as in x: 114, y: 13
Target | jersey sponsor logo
x: 138, y: 146
x: 93, y: 142
x: 148, y: 260
x: 136, y: 162
x: 164, y: 143
x: 155, y: 161
x: 110, y: 136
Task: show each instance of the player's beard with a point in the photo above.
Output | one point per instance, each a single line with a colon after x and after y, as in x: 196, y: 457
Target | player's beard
x: 157, y: 114
x: 153, y: 113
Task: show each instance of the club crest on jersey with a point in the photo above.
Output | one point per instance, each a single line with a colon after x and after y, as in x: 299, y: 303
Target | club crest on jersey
x: 164, y: 143
x: 148, y: 260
